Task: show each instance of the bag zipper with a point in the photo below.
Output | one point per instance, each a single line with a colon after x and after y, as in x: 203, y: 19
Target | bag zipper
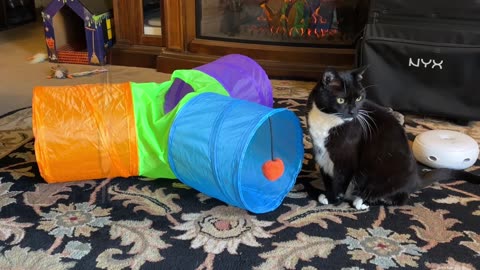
x: 425, y: 43
x: 377, y: 18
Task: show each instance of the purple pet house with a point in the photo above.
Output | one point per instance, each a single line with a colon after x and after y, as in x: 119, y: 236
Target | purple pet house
x: 78, y: 31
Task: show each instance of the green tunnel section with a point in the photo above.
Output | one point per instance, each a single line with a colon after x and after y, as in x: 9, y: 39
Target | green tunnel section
x: 153, y: 124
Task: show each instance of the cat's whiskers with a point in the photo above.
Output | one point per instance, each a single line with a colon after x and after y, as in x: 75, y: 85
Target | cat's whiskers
x: 366, y: 129
x: 373, y: 128
x: 366, y: 87
x: 368, y: 121
x: 365, y: 113
x: 362, y: 125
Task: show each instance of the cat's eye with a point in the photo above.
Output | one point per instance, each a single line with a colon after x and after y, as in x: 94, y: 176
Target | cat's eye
x: 340, y: 100
x: 359, y: 98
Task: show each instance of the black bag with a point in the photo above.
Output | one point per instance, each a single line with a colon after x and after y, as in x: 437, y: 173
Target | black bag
x: 424, y: 56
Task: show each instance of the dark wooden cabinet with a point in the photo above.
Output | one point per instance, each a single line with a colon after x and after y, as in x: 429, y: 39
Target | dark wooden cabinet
x: 192, y: 33
x: 133, y: 46
x: 16, y: 12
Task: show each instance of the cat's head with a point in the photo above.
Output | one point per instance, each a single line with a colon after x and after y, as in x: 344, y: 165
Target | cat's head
x: 340, y: 92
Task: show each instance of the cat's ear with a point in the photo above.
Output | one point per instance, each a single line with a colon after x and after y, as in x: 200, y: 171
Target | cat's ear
x: 359, y: 72
x: 328, y: 76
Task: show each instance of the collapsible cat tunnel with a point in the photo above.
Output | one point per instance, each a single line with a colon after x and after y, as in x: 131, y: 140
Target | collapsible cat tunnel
x: 211, y: 127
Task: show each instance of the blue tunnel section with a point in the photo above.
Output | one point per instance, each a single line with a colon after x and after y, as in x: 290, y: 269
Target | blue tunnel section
x: 217, y: 145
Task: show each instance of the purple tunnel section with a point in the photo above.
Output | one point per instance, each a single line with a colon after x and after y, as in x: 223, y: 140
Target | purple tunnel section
x: 241, y: 76
x: 177, y: 91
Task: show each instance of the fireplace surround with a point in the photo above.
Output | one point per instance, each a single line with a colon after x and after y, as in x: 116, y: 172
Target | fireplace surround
x: 289, y: 38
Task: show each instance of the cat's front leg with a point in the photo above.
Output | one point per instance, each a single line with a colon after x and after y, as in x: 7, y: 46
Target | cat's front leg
x: 322, y: 198
x: 334, y: 190
x: 326, y: 198
x: 357, y: 201
x: 359, y: 204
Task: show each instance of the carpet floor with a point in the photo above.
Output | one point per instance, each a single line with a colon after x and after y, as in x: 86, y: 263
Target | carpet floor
x: 131, y: 223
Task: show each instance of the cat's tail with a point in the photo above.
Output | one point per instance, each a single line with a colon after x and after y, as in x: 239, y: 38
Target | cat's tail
x: 442, y: 175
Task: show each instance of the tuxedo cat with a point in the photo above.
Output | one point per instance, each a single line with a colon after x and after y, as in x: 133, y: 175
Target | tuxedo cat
x: 362, y: 149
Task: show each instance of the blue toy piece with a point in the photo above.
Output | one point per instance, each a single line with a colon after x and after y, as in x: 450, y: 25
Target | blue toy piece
x: 218, y: 146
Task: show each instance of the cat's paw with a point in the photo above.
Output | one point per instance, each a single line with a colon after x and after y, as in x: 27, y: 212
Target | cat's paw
x: 359, y: 205
x: 323, y: 199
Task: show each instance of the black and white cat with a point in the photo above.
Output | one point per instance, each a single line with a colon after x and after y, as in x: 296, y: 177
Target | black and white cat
x: 361, y: 148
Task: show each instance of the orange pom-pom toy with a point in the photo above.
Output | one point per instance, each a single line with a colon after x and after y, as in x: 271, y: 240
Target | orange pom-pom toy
x: 273, y: 169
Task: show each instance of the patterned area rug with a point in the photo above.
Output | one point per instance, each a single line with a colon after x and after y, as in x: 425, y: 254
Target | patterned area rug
x: 163, y: 224
x: 15, y: 130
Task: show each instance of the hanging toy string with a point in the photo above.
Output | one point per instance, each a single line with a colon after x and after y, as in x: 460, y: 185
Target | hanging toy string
x: 271, y: 137
x: 272, y: 169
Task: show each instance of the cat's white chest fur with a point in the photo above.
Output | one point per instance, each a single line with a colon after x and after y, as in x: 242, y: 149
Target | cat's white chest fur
x: 320, y: 124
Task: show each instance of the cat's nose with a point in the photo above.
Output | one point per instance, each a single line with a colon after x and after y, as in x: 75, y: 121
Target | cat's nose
x: 353, y: 112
